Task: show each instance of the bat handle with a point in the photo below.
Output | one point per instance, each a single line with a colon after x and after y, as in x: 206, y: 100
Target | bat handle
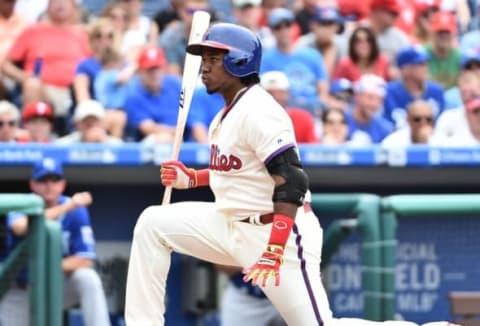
x: 167, y: 194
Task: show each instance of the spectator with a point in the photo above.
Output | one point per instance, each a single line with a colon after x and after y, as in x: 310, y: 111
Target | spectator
x: 9, y: 118
x: 48, y: 53
x: 174, y: 38
x: 89, y: 126
x: 139, y: 32
x: 102, y: 36
x: 467, y: 135
x: 365, y: 125
x: 470, y: 63
x: 444, y: 62
x: 363, y: 57
x: 424, y: 10
x: 111, y: 89
x: 116, y: 12
x: 303, y: 66
x: 152, y: 99
x: 37, y: 119
x: 168, y: 15
x: 81, y: 283
x: 326, y: 26
x: 334, y: 127
x: 452, y: 121
x: 276, y: 83
x: 305, y: 14
x: 419, y: 130
x: 390, y: 39
x: 341, y: 94
x: 11, y: 26
x: 413, y: 84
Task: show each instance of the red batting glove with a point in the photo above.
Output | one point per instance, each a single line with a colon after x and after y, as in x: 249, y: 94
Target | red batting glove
x: 175, y: 174
x: 267, y: 267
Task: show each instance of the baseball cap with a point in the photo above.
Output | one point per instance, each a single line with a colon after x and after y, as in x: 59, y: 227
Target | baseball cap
x: 88, y: 108
x: 341, y: 85
x: 246, y: 3
x: 444, y: 21
x: 47, y: 166
x: 371, y: 84
x: 37, y: 109
x: 469, y: 56
x: 387, y: 5
x: 422, y: 6
x: 280, y: 15
x: 151, y: 57
x: 324, y: 14
x: 411, y: 55
x: 473, y: 104
x: 274, y: 80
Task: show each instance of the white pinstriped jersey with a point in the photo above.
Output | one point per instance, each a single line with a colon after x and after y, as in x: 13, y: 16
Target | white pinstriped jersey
x: 252, y: 132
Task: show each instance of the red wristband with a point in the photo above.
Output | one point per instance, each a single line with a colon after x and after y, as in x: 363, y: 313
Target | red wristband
x: 203, y: 177
x: 281, y: 227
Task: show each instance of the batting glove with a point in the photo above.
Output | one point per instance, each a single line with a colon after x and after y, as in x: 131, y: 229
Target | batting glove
x: 175, y: 174
x: 267, y: 267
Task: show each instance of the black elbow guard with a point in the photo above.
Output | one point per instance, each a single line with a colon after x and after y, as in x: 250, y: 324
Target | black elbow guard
x: 288, y: 166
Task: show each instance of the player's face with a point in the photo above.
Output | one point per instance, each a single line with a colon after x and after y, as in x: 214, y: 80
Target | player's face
x: 214, y: 75
x: 49, y: 188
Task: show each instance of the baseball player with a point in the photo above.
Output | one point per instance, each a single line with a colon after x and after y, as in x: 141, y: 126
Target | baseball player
x: 82, y: 284
x: 259, y: 220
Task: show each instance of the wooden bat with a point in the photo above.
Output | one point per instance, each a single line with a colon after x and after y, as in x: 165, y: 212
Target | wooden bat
x: 191, y: 69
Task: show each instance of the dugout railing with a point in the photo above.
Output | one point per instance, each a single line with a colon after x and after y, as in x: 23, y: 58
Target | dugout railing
x: 39, y: 251
x: 366, y: 209
x: 393, y: 209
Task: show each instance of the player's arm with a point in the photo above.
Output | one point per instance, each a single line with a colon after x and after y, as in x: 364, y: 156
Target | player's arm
x: 175, y: 174
x: 291, y: 184
x: 79, y: 199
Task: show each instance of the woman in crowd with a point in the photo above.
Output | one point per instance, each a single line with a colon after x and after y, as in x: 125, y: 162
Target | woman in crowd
x: 363, y: 57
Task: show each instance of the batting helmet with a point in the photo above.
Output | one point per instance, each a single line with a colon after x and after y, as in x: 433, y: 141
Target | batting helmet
x: 244, y: 50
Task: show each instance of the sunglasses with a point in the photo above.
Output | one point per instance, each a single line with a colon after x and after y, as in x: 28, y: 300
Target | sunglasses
x: 472, y: 65
x: 282, y: 25
x: 335, y: 122
x: 10, y: 123
x: 419, y: 119
x: 99, y: 36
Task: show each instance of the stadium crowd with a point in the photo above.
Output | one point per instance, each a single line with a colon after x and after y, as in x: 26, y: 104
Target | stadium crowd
x: 389, y: 72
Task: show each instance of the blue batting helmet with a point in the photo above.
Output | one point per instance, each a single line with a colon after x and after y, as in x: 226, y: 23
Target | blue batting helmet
x: 244, y: 50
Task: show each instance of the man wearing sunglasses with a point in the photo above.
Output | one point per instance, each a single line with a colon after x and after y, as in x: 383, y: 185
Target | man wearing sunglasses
x: 420, y: 126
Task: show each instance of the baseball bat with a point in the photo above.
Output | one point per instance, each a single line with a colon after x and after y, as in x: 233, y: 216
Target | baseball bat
x: 191, y: 69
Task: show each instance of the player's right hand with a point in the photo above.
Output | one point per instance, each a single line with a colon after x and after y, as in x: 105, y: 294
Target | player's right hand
x: 81, y: 199
x: 175, y: 174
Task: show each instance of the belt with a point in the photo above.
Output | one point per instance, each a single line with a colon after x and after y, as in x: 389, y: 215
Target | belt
x: 268, y: 218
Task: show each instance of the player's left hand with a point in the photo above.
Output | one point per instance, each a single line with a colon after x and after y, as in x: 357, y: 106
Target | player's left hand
x: 267, y: 267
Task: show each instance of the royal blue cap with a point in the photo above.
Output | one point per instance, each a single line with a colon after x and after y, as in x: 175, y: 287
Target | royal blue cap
x: 341, y: 85
x: 47, y: 166
x: 411, y: 55
x: 327, y: 14
x: 470, y: 55
x: 279, y: 15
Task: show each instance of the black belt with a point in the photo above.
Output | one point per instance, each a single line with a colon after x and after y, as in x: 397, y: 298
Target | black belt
x: 268, y: 218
